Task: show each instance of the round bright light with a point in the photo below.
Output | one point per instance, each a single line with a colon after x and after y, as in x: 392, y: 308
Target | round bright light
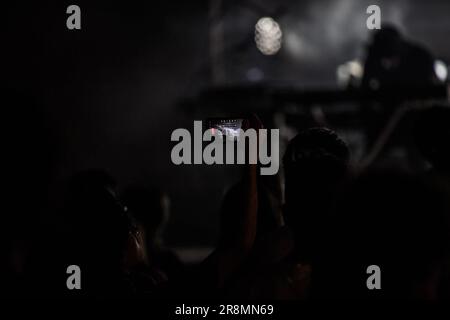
x: 441, y: 70
x: 351, y: 69
x: 355, y: 68
x: 268, y: 36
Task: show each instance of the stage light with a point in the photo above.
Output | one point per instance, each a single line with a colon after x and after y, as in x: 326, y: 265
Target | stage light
x: 355, y: 69
x: 350, y: 71
x: 440, y: 68
x: 268, y: 36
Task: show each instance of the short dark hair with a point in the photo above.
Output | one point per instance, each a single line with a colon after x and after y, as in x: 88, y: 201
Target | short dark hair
x: 315, y: 148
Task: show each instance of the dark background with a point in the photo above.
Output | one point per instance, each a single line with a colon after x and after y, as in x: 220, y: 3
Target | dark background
x: 114, y: 90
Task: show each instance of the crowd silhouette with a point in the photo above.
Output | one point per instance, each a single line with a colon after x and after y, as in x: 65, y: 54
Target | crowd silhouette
x: 309, y: 234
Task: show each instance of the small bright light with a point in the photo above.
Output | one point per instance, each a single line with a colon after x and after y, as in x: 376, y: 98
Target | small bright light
x: 351, y: 69
x: 268, y: 36
x: 355, y: 68
x: 441, y: 70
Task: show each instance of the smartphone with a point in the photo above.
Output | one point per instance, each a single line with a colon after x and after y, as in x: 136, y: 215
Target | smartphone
x: 229, y: 127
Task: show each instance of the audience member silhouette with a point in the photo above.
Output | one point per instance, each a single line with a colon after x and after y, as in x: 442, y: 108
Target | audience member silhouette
x: 393, y: 220
x: 103, y: 239
x: 150, y: 208
x: 393, y: 61
x: 316, y: 163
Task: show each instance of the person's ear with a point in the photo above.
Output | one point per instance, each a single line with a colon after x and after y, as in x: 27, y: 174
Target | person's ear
x: 135, y: 250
